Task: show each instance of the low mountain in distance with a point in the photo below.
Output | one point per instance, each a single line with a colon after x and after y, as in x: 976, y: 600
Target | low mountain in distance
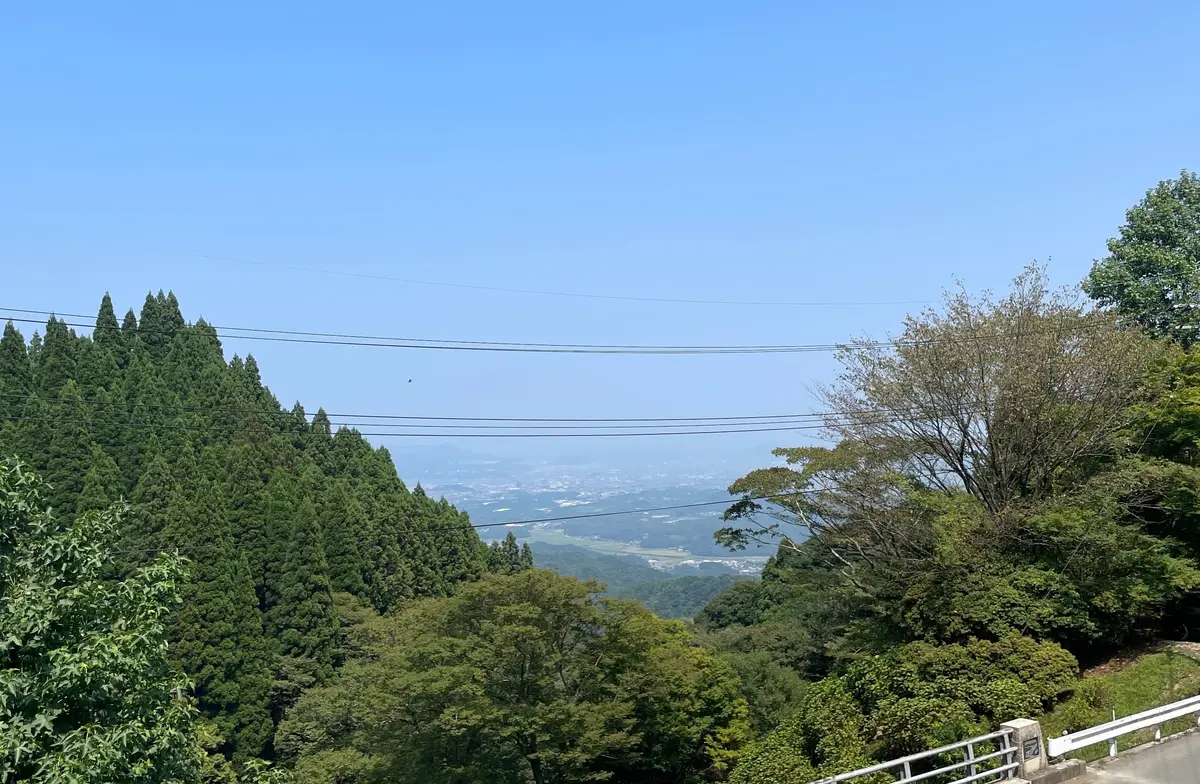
x: 616, y: 571
x: 680, y: 593
x: 679, y: 597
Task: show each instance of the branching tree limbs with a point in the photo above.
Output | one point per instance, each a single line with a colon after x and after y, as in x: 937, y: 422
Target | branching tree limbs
x: 966, y: 462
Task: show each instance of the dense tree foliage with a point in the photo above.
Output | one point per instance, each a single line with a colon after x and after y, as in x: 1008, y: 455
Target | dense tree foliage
x: 1151, y: 275
x: 678, y: 597
x: 1008, y: 491
x: 88, y: 692
x: 275, y: 513
x: 208, y: 581
x: 524, y: 677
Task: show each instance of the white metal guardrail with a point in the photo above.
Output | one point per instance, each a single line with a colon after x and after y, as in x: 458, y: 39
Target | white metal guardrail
x: 1155, y: 717
x: 969, y: 766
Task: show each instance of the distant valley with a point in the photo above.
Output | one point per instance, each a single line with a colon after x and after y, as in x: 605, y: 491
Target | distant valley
x: 680, y: 593
x: 496, y: 490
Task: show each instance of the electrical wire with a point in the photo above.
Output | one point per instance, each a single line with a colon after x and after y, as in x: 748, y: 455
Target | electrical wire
x: 217, y: 429
x: 369, y: 341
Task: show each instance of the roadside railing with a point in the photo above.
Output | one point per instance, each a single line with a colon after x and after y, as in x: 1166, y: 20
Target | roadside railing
x: 1155, y: 717
x: 973, y: 767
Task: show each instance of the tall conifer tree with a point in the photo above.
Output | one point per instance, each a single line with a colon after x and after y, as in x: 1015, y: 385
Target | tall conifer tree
x: 70, y: 450
x: 108, y: 331
x: 344, y: 526
x: 216, y: 635
x: 55, y: 360
x: 103, y: 485
x: 147, y: 518
x: 16, y: 373
x: 129, y: 327
x: 303, y: 617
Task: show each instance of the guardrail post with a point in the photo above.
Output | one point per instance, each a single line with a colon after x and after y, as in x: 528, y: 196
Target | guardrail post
x: 970, y: 755
x: 1026, y: 737
x: 1112, y: 747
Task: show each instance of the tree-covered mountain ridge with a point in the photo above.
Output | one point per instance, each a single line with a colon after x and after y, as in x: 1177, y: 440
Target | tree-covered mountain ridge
x: 288, y: 524
x: 1009, y: 491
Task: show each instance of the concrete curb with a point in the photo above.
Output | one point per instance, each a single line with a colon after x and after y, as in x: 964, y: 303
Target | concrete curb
x: 1059, y: 772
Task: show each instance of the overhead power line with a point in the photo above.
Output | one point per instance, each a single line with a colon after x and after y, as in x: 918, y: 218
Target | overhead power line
x: 424, y: 434
x: 581, y: 426
x: 338, y: 419
x: 817, y: 422
x: 481, y: 428
x: 434, y: 344
x: 496, y: 289
x: 378, y: 341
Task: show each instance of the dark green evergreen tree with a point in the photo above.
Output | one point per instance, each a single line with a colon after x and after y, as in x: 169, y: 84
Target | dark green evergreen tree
x: 143, y: 526
x: 320, y: 440
x: 70, y: 450
x: 99, y: 380
x: 216, y: 635
x: 32, y: 430
x: 344, y: 526
x: 246, y: 484
x: 108, y: 332
x: 526, y: 557
x: 152, y: 326
x: 172, y: 315
x: 35, y: 348
x: 505, y: 557
x: 456, y: 544
x: 297, y: 424
x: 103, y: 485
x: 269, y: 543
x: 151, y: 424
x: 303, y: 617
x: 160, y: 322
x: 16, y: 373
x: 55, y: 363
x: 129, y: 327
x: 419, y: 545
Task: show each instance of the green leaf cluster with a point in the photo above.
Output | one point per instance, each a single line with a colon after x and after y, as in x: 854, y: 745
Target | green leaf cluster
x: 521, y: 677
x: 87, y: 693
x: 275, y: 511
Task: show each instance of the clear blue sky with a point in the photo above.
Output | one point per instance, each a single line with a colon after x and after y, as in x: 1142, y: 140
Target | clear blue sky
x: 797, y: 151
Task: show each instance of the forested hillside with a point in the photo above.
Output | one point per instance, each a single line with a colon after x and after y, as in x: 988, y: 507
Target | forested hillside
x: 615, y: 571
x: 1011, y: 491
x: 666, y: 594
x: 207, y: 581
x: 679, y: 597
x: 287, y: 525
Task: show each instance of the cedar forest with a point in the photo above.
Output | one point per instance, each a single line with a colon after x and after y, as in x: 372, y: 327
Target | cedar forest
x: 200, y: 584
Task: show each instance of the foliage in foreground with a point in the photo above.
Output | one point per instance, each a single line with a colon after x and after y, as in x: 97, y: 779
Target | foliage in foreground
x: 278, y: 511
x: 516, y: 678
x: 915, y: 697
x: 1012, y: 485
x: 86, y: 690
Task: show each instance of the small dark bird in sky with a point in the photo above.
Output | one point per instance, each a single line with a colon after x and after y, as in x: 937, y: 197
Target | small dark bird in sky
x: 410, y: 381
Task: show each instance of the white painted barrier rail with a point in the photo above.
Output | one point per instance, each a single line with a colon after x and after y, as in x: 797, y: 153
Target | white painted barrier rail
x: 968, y: 769
x: 1155, y: 717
